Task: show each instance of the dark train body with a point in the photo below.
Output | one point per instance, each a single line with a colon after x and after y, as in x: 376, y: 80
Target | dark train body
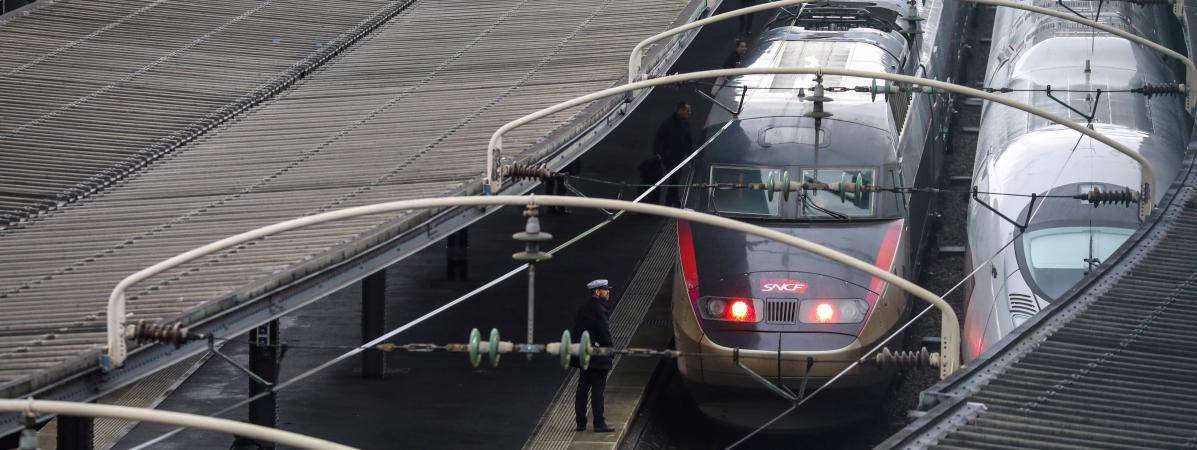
x: 779, y: 306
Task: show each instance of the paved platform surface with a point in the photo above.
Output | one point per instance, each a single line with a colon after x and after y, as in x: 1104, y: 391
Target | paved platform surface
x: 646, y: 297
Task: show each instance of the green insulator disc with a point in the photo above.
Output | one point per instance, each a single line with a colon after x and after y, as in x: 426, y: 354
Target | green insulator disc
x: 584, y: 350
x: 475, y: 341
x: 494, y: 347
x: 844, y: 180
x: 785, y: 185
x: 565, y: 343
x: 769, y: 188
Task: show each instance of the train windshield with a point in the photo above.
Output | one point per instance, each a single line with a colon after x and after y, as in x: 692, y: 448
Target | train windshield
x: 743, y: 201
x: 1058, y: 258
x: 817, y: 204
x: 850, y: 204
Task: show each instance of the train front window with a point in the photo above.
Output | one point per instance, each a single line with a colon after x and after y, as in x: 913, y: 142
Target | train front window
x: 822, y: 203
x: 743, y: 201
x: 1057, y: 258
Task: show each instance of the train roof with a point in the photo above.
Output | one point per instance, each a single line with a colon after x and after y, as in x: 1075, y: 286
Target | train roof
x: 789, y: 141
x: 1032, y: 162
x: 1040, y: 51
x: 771, y: 129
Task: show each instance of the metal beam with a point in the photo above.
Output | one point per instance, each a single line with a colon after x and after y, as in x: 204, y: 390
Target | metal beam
x: 374, y: 323
x: 76, y: 433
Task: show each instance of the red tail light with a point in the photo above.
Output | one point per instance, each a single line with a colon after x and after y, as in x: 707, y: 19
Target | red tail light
x: 824, y: 312
x: 741, y: 310
x: 832, y: 311
x: 730, y: 309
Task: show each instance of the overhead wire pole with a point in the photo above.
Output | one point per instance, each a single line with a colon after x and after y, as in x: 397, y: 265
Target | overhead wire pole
x: 1190, y: 86
x: 494, y: 177
x: 31, y: 406
x: 637, y: 57
x: 119, y: 331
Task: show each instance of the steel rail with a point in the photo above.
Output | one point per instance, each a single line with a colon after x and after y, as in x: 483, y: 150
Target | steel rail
x: 636, y: 59
x: 1190, y: 68
x: 493, y: 180
x: 118, y: 332
x: 233, y: 427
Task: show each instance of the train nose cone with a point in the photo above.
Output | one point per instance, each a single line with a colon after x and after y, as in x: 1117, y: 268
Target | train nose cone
x: 802, y: 285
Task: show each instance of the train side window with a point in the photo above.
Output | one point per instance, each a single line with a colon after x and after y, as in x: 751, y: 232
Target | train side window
x: 743, y: 201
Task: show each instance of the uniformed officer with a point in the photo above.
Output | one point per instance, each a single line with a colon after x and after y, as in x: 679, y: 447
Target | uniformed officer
x: 594, y: 316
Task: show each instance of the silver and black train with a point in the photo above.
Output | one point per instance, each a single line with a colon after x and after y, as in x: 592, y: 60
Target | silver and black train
x: 1058, y: 239
x: 789, y: 316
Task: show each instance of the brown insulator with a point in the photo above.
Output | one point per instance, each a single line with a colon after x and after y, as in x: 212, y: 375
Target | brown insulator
x: 1096, y: 197
x: 1164, y: 89
x: 905, y: 359
x: 163, y: 333
x: 516, y: 171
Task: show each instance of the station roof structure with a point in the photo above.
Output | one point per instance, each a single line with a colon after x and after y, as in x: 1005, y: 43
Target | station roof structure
x: 135, y: 130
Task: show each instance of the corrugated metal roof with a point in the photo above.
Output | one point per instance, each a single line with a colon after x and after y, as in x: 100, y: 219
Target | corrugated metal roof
x: 92, y: 90
x: 1112, y: 365
x: 404, y: 113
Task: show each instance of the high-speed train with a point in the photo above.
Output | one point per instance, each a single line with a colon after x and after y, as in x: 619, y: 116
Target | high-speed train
x: 792, y: 317
x: 1022, y: 154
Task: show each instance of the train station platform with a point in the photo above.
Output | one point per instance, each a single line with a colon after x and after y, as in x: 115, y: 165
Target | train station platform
x: 639, y: 320
x: 147, y: 128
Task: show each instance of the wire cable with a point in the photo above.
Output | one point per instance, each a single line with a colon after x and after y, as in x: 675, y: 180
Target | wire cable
x: 910, y: 322
x: 358, y: 349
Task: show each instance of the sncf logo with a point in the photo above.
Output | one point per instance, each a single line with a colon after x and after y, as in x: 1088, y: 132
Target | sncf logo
x: 783, y: 285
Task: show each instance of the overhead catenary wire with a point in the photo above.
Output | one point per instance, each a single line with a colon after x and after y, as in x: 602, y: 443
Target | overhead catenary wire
x: 733, y: 186
x: 903, y: 328
x: 1017, y: 234
x: 394, y: 332
x: 325, y: 143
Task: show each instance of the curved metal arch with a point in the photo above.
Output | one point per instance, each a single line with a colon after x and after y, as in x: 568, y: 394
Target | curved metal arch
x: 117, y: 350
x: 637, y: 58
x: 1190, y: 68
x: 170, y: 418
x: 493, y: 180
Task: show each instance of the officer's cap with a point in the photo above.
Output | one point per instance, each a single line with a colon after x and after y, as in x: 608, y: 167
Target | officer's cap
x: 598, y: 284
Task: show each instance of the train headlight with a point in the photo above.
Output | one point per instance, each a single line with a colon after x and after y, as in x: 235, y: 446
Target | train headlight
x: 715, y: 307
x: 833, y: 311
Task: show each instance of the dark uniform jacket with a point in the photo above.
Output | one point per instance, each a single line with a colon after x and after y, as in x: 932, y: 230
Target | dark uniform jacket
x: 594, y: 316
x: 673, y: 142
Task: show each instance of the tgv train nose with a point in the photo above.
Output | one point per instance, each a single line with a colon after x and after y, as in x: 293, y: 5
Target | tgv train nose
x: 802, y: 285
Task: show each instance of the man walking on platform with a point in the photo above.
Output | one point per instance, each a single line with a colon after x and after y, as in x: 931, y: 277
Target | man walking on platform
x: 594, y: 316
x: 672, y: 144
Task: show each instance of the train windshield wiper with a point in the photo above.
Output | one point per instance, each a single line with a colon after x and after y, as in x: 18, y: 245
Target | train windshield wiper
x: 807, y: 202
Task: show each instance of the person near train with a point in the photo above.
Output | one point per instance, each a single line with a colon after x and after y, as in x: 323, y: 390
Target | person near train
x: 673, y: 143
x: 594, y: 316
